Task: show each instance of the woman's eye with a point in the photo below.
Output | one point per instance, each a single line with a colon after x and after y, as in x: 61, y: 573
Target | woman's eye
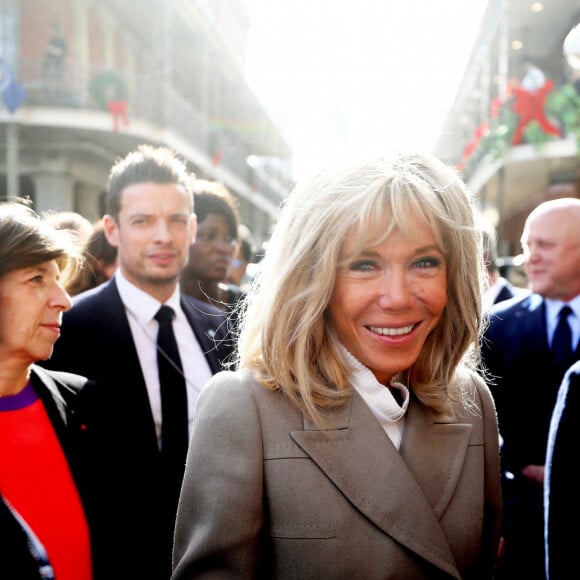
x: 206, y: 236
x: 428, y: 262
x: 363, y: 266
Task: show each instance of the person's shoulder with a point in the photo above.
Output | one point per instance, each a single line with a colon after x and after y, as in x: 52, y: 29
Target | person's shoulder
x: 517, y: 291
x: 570, y: 384
x: 240, y: 382
x: 477, y: 395
x: 521, y: 302
x: 199, y: 307
x: 505, y: 319
x: 568, y: 393
x: 103, y: 289
x: 470, y: 380
x: 92, y: 307
x: 91, y: 298
x: 65, y: 382
x: 232, y: 379
x: 229, y: 389
x: 573, y: 373
x: 64, y: 377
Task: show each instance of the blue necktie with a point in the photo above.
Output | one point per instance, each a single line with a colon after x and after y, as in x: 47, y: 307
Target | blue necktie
x: 562, y: 340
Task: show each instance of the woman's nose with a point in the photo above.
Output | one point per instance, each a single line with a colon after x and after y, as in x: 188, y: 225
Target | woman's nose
x: 394, y: 290
x: 60, y: 298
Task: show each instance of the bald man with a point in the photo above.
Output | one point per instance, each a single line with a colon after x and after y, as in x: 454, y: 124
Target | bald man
x: 525, y: 373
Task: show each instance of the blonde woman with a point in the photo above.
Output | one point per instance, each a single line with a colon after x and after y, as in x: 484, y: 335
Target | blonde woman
x: 356, y: 439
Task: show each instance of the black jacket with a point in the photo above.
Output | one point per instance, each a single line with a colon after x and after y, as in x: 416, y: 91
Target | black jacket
x: 561, y: 500
x: 60, y: 394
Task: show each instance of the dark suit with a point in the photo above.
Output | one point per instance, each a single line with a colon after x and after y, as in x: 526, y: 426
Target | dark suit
x: 59, y: 393
x: 17, y: 559
x: 524, y: 381
x: 509, y: 291
x: 136, y: 525
x: 562, y: 500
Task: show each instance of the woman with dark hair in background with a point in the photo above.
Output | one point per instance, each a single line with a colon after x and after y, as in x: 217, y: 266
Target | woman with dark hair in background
x: 237, y: 275
x: 43, y: 528
x: 216, y: 242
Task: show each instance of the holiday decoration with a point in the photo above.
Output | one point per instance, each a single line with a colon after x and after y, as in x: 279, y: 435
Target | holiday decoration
x: 529, y: 105
x: 110, y: 93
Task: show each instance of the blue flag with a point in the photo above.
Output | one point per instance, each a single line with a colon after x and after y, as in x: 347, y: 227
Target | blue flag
x: 14, y: 95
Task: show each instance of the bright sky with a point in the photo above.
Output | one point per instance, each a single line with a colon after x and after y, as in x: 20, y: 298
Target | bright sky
x: 346, y: 78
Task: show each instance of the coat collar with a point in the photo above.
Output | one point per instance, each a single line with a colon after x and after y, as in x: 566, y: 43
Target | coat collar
x: 45, y: 387
x: 422, y: 477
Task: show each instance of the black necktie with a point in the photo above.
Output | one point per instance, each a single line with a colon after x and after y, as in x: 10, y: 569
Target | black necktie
x: 562, y: 341
x: 174, y: 425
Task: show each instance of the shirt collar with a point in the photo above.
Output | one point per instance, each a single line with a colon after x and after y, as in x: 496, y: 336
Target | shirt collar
x: 140, y: 304
x: 377, y: 396
x: 553, y: 307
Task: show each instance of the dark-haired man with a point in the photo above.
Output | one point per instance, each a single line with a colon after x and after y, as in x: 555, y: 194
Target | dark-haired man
x: 111, y: 334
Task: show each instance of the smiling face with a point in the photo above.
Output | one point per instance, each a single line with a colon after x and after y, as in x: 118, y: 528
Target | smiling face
x: 32, y: 301
x: 154, y: 231
x: 551, y: 243
x: 388, y: 297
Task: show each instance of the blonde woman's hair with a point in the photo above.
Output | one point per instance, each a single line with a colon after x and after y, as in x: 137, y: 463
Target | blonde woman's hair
x: 286, y: 339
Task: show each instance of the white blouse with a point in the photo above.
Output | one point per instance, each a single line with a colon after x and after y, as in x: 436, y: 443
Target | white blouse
x: 380, y: 400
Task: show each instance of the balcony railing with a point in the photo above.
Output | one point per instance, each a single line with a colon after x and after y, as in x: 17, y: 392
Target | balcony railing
x: 149, y: 99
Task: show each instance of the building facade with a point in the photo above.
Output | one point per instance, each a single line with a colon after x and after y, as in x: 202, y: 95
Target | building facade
x: 514, y: 128
x: 86, y: 81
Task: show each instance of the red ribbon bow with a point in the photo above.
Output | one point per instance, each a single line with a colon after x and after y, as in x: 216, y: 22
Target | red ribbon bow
x: 530, y: 107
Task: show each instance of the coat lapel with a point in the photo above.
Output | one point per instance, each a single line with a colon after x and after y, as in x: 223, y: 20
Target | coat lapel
x: 52, y: 399
x: 420, y: 481
x: 435, y: 454
x: 124, y: 383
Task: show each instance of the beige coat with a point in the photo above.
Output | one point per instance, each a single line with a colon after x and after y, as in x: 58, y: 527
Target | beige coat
x: 268, y: 495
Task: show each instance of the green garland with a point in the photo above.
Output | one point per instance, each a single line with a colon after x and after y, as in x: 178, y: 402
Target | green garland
x: 107, y: 86
x: 564, y: 104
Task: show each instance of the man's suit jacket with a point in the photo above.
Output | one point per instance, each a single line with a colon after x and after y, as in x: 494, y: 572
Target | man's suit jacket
x: 509, y: 291
x: 267, y: 494
x: 562, y: 499
x: 524, y: 378
x: 136, y: 528
x: 516, y: 351
x: 59, y: 393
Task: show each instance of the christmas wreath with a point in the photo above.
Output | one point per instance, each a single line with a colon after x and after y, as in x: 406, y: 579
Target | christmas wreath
x: 107, y: 86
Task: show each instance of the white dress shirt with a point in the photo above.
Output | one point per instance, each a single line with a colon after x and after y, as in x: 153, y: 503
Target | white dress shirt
x: 141, y: 309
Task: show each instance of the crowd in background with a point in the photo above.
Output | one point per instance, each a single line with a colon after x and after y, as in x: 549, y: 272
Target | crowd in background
x: 378, y: 402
